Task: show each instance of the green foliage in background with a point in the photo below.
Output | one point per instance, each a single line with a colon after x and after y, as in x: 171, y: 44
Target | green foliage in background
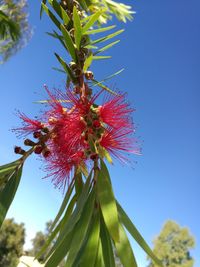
x: 14, y: 29
x: 173, y: 246
x: 12, y: 237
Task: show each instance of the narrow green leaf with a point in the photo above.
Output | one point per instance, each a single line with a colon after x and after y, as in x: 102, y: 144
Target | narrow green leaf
x: 104, y: 87
x: 41, y: 8
x: 81, y: 230
x: 79, y: 183
x: 106, y: 47
x: 90, y: 251
x: 8, y: 192
x: 100, y: 30
x: 60, y: 11
x: 101, y: 57
x: 60, y: 38
x: 52, y: 16
x: 66, y: 67
x: 124, y: 250
x: 64, y: 204
x: 10, y: 165
x: 99, y: 259
x: 87, y: 62
x: 76, y: 240
x: 58, y: 230
x: 106, y: 38
x: 93, y: 18
x: 61, y: 252
x: 107, y: 249
x: 59, y: 70
x: 77, y: 28
x: 110, y: 76
x: 68, y: 226
x: 136, y: 235
x: 69, y: 43
x: 107, y: 202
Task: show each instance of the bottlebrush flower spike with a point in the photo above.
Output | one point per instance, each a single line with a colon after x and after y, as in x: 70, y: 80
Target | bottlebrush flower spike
x: 79, y: 131
x: 28, y: 125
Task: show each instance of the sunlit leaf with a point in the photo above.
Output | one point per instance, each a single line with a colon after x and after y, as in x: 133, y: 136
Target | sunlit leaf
x: 124, y: 250
x: 107, y: 249
x: 106, y: 38
x: 100, y: 30
x: 90, y: 251
x: 52, y: 16
x: 64, y: 203
x: 136, y: 235
x: 69, y: 43
x: 91, y: 20
x: 107, y: 202
x: 77, y: 28
x: 66, y: 67
x: 87, y: 62
x: 8, y: 192
x: 60, y: 11
x: 106, y: 47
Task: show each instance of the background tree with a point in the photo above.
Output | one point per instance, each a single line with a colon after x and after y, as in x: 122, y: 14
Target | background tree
x: 38, y: 242
x: 14, y: 28
x: 12, y: 238
x: 173, y: 246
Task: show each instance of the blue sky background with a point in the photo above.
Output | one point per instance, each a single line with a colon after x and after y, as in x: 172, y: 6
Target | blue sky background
x: 160, y: 53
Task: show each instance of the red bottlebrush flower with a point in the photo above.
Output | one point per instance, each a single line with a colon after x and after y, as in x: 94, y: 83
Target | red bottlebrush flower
x: 116, y: 142
x: 116, y: 112
x: 76, y: 129
x: 28, y: 125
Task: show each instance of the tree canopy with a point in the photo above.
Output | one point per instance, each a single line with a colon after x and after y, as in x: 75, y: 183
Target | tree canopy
x: 173, y: 246
x: 12, y: 238
x: 14, y: 27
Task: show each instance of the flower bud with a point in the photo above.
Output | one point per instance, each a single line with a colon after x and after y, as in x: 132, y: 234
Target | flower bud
x: 37, y: 134
x: 46, y: 152
x: 38, y: 149
x: 28, y: 142
x: 19, y: 150
x: 89, y: 75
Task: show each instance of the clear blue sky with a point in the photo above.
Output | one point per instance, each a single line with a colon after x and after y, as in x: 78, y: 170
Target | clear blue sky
x: 160, y: 53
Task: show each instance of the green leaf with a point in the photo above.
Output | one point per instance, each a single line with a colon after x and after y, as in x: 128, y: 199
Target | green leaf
x: 60, y: 38
x: 69, y: 225
x: 8, y: 192
x: 81, y: 230
x: 99, y: 259
x: 107, y: 249
x: 100, y: 30
x: 69, y: 43
x: 58, y: 230
x: 106, y: 38
x: 107, y: 202
x: 79, y: 234
x: 59, y: 70
x: 92, y: 19
x: 61, y: 251
x: 90, y: 251
x: 136, y: 235
x: 77, y: 28
x: 60, y: 11
x: 52, y: 16
x: 124, y: 250
x: 66, y: 68
x: 104, y: 87
x: 87, y: 62
x: 64, y: 204
x: 41, y: 8
x: 106, y: 47
x: 101, y: 57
